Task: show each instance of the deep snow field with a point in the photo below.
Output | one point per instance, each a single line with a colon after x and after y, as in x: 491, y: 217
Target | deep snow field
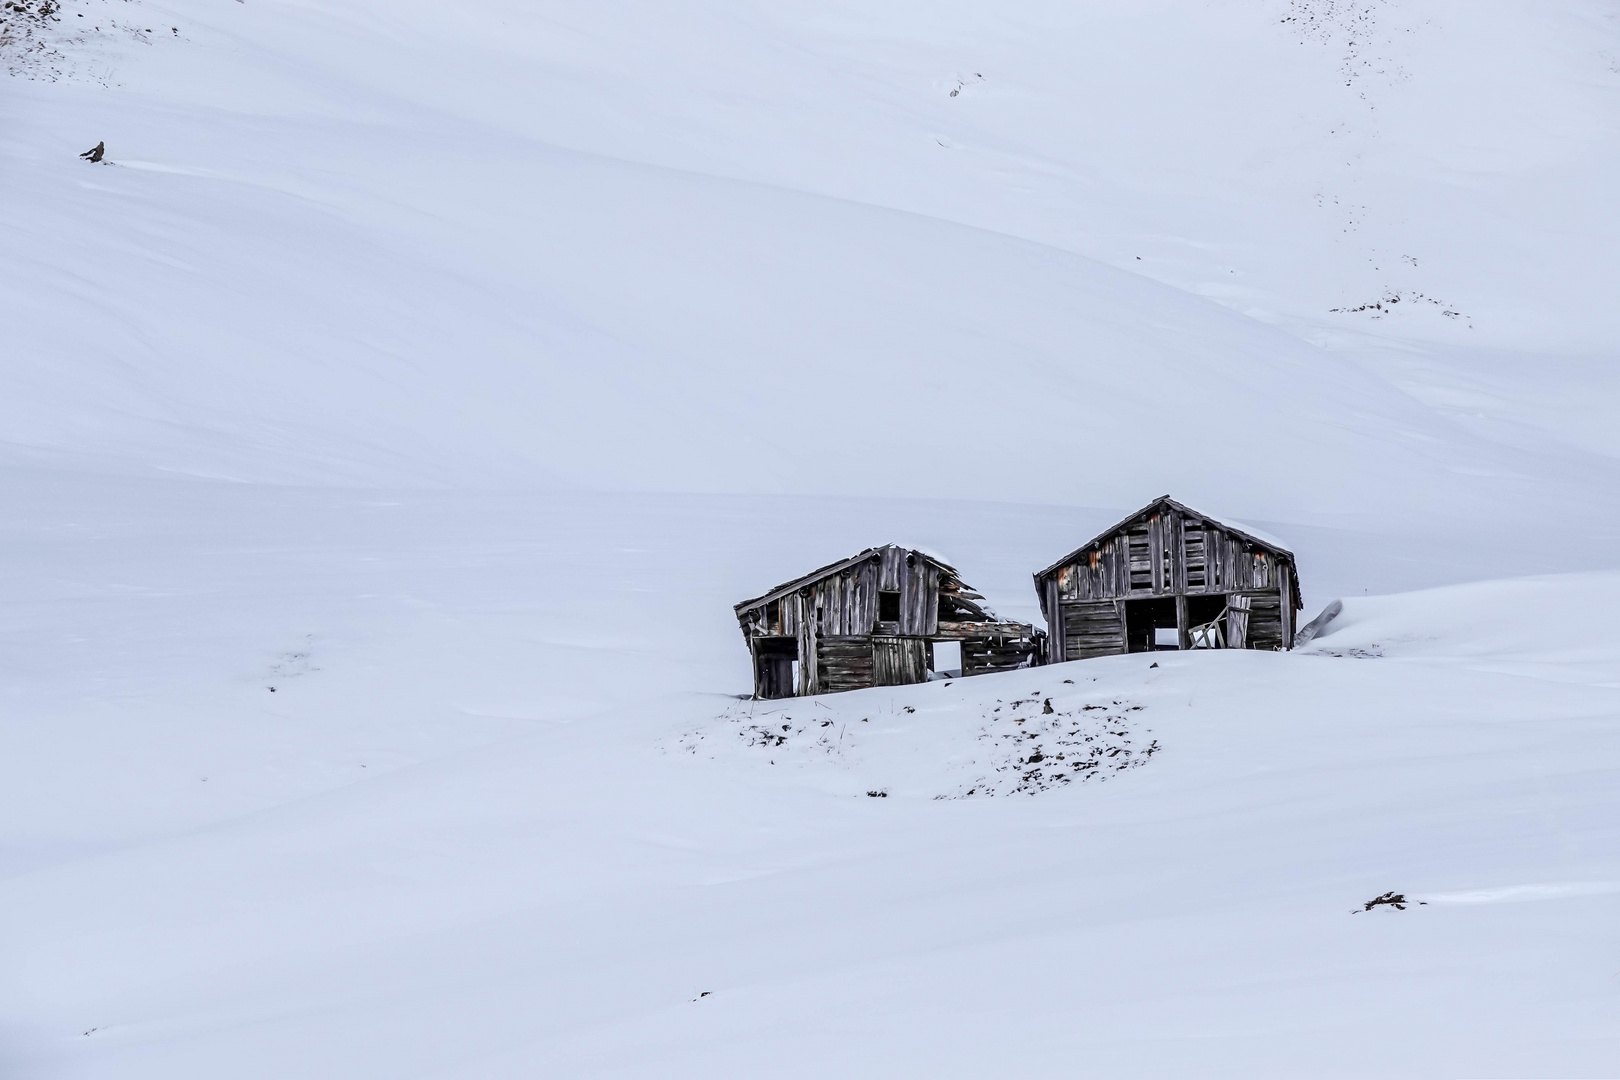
x: 389, y: 424
x: 504, y: 813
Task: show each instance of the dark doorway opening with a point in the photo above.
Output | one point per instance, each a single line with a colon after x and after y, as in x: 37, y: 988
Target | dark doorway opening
x: 777, y: 657
x: 1201, y: 611
x: 1143, y: 618
x: 888, y: 607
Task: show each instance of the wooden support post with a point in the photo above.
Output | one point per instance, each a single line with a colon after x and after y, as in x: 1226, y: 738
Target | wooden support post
x: 1056, y: 646
x: 807, y: 646
x: 1155, y: 538
x: 1285, y: 597
x: 1183, y: 624
x: 813, y: 661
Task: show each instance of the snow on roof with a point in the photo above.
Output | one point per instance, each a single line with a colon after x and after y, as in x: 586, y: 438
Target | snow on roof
x: 835, y: 567
x: 1258, y: 534
x: 1230, y: 526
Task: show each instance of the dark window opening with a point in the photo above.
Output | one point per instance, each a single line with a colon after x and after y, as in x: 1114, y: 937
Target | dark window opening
x: 888, y: 607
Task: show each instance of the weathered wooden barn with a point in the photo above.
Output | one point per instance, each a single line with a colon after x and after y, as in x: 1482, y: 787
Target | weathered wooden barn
x: 1168, y: 567
x: 873, y: 620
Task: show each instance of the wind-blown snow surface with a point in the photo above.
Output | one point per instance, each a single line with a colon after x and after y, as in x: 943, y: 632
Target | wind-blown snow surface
x: 502, y: 816
x: 360, y: 722
x: 721, y: 246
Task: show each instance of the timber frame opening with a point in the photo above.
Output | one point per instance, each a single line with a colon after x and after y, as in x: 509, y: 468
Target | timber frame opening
x: 1143, y: 620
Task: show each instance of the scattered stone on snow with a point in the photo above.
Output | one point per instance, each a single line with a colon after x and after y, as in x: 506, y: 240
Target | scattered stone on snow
x: 1371, y: 652
x: 1032, y: 753
x: 1024, y: 746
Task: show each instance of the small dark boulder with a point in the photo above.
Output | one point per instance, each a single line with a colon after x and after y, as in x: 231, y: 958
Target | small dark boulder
x: 1393, y: 899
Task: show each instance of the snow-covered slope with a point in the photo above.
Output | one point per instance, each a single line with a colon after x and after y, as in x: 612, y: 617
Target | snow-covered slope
x: 519, y: 245
x: 388, y: 425
x: 487, y: 827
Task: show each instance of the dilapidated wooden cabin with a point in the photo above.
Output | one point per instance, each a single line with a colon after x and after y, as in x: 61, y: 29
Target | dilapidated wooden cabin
x: 873, y: 620
x: 1169, y: 568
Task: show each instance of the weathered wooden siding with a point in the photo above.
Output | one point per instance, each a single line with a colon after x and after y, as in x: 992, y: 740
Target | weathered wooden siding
x: 846, y: 602
x: 963, y: 631
x: 1092, y: 628
x: 892, y: 562
x: 808, y: 683
x: 1162, y: 552
x: 828, y: 623
x: 1165, y: 555
x: 981, y: 656
x: 1285, y: 606
x: 1265, y: 621
x: 899, y: 661
x: 919, y: 598
x: 1054, y: 622
x: 846, y: 664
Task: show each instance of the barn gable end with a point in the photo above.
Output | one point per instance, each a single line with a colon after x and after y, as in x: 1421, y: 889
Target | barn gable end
x: 1169, y: 566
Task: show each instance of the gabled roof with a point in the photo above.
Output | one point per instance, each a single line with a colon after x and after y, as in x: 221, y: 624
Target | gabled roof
x: 832, y: 568
x: 1160, y: 502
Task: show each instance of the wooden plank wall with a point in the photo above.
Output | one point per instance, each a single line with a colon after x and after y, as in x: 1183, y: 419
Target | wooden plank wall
x: 1285, y: 606
x: 845, y: 663
x: 1265, y: 621
x: 808, y: 683
x: 841, y: 644
x: 1092, y: 628
x: 981, y: 656
x: 899, y: 661
x: 846, y: 602
x: 919, y: 599
x: 1142, y: 561
x: 892, y: 563
x: 1164, y: 554
x: 1054, y: 623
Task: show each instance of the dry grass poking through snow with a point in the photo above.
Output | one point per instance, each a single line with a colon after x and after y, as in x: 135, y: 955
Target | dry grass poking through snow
x: 1033, y: 746
x: 936, y: 742
x: 56, y: 40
